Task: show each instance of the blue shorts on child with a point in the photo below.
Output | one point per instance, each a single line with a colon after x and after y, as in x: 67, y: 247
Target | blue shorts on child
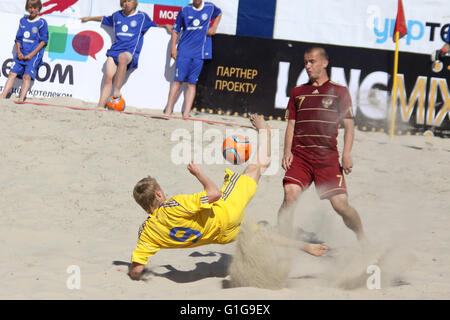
x: 188, y: 69
x: 29, y: 67
x: 115, y: 55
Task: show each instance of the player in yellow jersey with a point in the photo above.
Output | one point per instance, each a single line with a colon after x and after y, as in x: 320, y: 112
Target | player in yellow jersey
x: 211, y: 216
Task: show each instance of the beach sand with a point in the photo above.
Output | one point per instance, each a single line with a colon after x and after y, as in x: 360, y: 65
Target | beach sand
x: 66, y: 204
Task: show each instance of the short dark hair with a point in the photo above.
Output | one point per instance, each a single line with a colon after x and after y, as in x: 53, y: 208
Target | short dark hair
x: 34, y: 4
x: 321, y: 50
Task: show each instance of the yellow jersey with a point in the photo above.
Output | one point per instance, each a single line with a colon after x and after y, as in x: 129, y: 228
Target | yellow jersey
x: 189, y: 220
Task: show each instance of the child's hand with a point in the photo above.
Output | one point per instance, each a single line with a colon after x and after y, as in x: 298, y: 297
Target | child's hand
x: 28, y: 57
x: 168, y: 27
x: 174, y: 53
x: 84, y: 19
x: 19, y: 55
x: 194, y: 169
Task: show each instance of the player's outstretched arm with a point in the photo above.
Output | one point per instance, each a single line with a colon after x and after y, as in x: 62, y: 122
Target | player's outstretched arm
x: 212, y: 191
x: 87, y: 19
x: 168, y: 27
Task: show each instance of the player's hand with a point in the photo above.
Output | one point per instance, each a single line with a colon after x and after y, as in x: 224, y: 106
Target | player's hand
x: 19, y: 55
x: 168, y: 27
x: 174, y: 53
x: 27, y: 57
x: 194, y: 169
x: 211, y: 32
x: 84, y: 19
x: 287, y: 160
x: 347, y: 163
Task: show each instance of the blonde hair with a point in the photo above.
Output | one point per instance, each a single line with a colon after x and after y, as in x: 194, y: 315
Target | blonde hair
x: 34, y: 4
x: 135, y: 3
x: 144, y: 193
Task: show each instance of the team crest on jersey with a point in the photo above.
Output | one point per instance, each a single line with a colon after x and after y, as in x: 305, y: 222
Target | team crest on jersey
x: 141, y: 228
x: 34, y: 30
x: 124, y: 28
x: 327, y: 102
x: 133, y: 24
x: 204, y: 16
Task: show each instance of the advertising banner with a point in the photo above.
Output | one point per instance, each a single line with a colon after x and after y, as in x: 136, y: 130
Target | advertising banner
x: 367, y: 24
x: 257, y: 75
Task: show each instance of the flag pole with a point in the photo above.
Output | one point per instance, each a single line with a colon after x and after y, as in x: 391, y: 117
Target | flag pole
x: 394, y: 87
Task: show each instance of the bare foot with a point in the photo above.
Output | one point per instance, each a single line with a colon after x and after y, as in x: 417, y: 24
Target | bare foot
x: 316, y: 249
x: 258, y: 122
x: 117, y: 93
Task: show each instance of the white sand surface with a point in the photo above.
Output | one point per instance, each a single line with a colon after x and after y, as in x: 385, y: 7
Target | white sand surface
x: 66, y: 200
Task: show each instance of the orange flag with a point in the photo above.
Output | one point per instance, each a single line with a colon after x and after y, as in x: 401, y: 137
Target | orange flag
x: 400, y: 22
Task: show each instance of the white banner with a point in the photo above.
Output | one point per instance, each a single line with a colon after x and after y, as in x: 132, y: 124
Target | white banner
x: 367, y: 24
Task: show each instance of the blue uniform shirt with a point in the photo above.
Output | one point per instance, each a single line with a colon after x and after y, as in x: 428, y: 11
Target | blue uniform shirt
x: 30, y: 34
x: 193, y: 25
x: 129, y: 32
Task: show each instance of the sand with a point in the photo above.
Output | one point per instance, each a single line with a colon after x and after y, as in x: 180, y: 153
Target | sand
x: 67, y: 209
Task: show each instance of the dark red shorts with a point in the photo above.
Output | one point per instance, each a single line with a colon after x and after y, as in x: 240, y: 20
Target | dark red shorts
x: 327, y: 174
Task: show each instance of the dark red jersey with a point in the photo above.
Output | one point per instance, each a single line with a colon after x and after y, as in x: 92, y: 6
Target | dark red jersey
x: 317, y: 111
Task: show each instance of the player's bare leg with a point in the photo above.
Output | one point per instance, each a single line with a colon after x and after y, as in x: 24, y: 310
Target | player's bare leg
x: 173, y: 94
x: 285, y: 221
x: 315, y: 249
x: 110, y: 71
x: 25, y: 87
x: 263, y: 152
x: 9, y: 84
x: 124, y: 60
x: 349, y: 215
x: 189, y: 99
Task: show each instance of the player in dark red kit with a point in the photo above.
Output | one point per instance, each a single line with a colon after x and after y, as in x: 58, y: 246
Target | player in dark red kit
x: 310, y: 151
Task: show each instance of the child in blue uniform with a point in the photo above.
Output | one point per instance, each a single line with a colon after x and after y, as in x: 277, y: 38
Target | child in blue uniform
x: 195, y: 46
x: 129, y: 27
x: 31, y: 39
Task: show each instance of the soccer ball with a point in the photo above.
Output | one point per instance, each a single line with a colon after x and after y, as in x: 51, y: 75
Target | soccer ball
x: 236, y: 149
x: 117, y: 104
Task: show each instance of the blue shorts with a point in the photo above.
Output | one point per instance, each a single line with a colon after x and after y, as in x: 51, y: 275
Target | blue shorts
x: 188, y: 69
x: 115, y: 55
x: 29, y: 67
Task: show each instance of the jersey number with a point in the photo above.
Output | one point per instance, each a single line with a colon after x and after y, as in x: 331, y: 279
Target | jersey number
x: 301, y: 99
x: 187, y: 233
x: 340, y: 179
